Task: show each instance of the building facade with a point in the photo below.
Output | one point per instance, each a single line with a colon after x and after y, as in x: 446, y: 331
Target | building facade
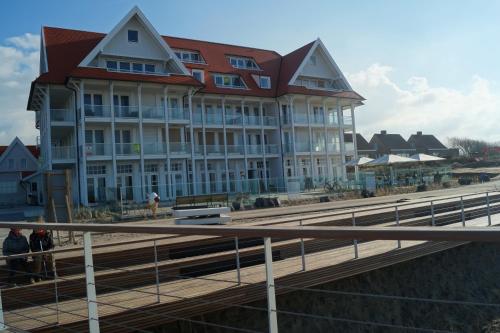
x: 386, y: 143
x: 130, y: 112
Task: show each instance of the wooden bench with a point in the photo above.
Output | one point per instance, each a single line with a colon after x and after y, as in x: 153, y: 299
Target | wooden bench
x: 209, y: 200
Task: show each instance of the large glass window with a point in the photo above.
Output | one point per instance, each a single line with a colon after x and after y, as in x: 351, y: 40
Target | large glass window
x: 111, y: 65
x: 125, y: 66
x: 137, y: 67
x: 243, y: 63
x: 189, y: 56
x: 230, y: 81
x: 265, y: 82
x: 149, y: 68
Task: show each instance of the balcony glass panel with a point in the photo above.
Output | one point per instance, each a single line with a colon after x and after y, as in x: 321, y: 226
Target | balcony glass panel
x: 252, y: 120
x: 180, y: 148
x: 128, y: 149
x: 270, y: 121
x: 97, y: 149
x: 154, y: 148
x: 153, y: 112
x: 61, y: 115
x: 235, y: 150
x: 233, y: 120
x: 254, y: 149
x: 99, y: 111
x: 63, y: 152
x: 126, y: 112
x: 178, y: 114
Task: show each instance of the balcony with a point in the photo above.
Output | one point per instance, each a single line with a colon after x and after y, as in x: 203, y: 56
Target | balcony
x: 62, y: 115
x: 272, y: 149
x: 126, y: 112
x: 63, y: 152
x: 197, y: 118
x: 180, y: 148
x: 127, y: 149
x: 300, y: 119
x: 235, y: 150
x: 288, y: 148
x: 234, y: 120
x: 215, y: 149
x: 155, y: 148
x: 302, y: 147
x: 97, y: 111
x: 97, y: 149
x: 254, y: 149
x: 333, y: 148
x: 317, y: 119
x: 270, y: 121
x: 213, y: 118
x: 252, y: 120
x: 349, y: 147
x: 318, y: 147
x: 153, y: 112
x: 178, y: 114
x: 348, y: 120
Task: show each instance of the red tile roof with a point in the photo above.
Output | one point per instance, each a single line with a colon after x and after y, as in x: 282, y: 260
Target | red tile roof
x: 67, y: 48
x: 34, y: 150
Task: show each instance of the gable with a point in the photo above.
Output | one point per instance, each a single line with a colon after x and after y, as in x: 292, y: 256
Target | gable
x: 16, y: 152
x: 318, y: 66
x: 145, y: 48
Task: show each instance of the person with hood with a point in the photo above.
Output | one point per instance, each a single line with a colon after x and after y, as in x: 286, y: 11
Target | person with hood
x: 41, y: 241
x: 16, y: 243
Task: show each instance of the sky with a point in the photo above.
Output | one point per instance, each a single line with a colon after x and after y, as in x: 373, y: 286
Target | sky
x: 422, y: 65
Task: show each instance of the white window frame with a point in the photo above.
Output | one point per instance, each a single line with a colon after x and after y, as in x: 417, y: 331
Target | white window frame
x: 266, y: 78
x: 181, y: 53
x: 230, y: 77
x: 243, y: 60
x: 201, y: 72
x: 131, y: 66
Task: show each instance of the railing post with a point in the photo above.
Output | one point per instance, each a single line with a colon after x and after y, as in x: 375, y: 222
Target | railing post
x: 397, y: 223
x: 271, y: 296
x: 90, y: 281
x: 462, y: 210
x: 157, y: 275
x: 488, y: 208
x: 302, y: 250
x: 55, y: 289
x: 3, y: 326
x: 432, y: 214
x: 238, y: 266
x: 355, y: 241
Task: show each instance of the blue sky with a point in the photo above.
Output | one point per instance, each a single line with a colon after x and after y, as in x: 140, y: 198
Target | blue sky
x: 432, y: 50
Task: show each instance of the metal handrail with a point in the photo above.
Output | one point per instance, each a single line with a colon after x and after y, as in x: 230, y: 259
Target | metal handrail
x: 484, y: 234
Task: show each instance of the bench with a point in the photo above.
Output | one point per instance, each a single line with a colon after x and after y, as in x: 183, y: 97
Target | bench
x: 214, y: 215
x: 207, y: 200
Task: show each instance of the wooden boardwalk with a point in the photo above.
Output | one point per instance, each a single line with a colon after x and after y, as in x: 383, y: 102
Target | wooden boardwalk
x: 138, y: 307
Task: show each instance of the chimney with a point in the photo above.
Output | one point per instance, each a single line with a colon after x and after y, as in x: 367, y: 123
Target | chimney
x: 383, y: 132
x: 419, y: 133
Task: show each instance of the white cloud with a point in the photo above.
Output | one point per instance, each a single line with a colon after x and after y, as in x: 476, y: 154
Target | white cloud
x: 27, y: 41
x: 19, y: 59
x: 420, y: 106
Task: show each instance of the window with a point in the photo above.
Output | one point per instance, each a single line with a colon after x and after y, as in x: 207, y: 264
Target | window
x: 96, y: 169
x: 189, y: 56
x: 124, y: 168
x: 151, y: 168
x: 149, y: 68
x: 313, y: 60
x: 34, y: 187
x: 265, y: 82
x: 229, y: 81
x: 137, y: 68
x: 243, y: 63
x: 24, y: 163
x: 111, y: 65
x: 133, y: 36
x: 198, y: 75
x: 124, y: 66
x: 11, y: 163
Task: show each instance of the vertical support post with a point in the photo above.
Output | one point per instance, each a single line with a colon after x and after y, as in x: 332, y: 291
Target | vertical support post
x: 356, y: 254
x: 56, y: 292
x: 271, y: 296
x: 397, y: 224
x: 237, y: 249
x: 432, y: 214
x: 90, y: 282
x: 157, y: 276
x: 488, y: 208
x: 2, y: 319
x: 462, y: 210
x: 302, y: 251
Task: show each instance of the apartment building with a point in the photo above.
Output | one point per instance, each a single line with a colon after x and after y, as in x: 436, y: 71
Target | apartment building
x: 131, y: 111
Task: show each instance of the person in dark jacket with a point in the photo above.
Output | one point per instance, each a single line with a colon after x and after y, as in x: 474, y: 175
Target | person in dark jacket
x: 41, y: 241
x: 16, y: 243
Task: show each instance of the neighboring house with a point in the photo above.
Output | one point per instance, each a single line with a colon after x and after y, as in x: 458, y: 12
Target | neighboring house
x: 391, y: 144
x: 429, y: 144
x: 364, y: 148
x: 18, y: 162
x: 131, y: 111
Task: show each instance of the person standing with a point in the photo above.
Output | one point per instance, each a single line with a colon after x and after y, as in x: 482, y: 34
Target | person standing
x: 153, y: 201
x: 41, y: 241
x: 16, y: 243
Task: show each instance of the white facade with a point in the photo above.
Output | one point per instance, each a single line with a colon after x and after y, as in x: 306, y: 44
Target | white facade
x: 124, y: 139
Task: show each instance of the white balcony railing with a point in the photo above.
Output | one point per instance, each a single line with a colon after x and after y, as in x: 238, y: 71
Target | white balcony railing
x: 62, y: 115
x: 63, y: 152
